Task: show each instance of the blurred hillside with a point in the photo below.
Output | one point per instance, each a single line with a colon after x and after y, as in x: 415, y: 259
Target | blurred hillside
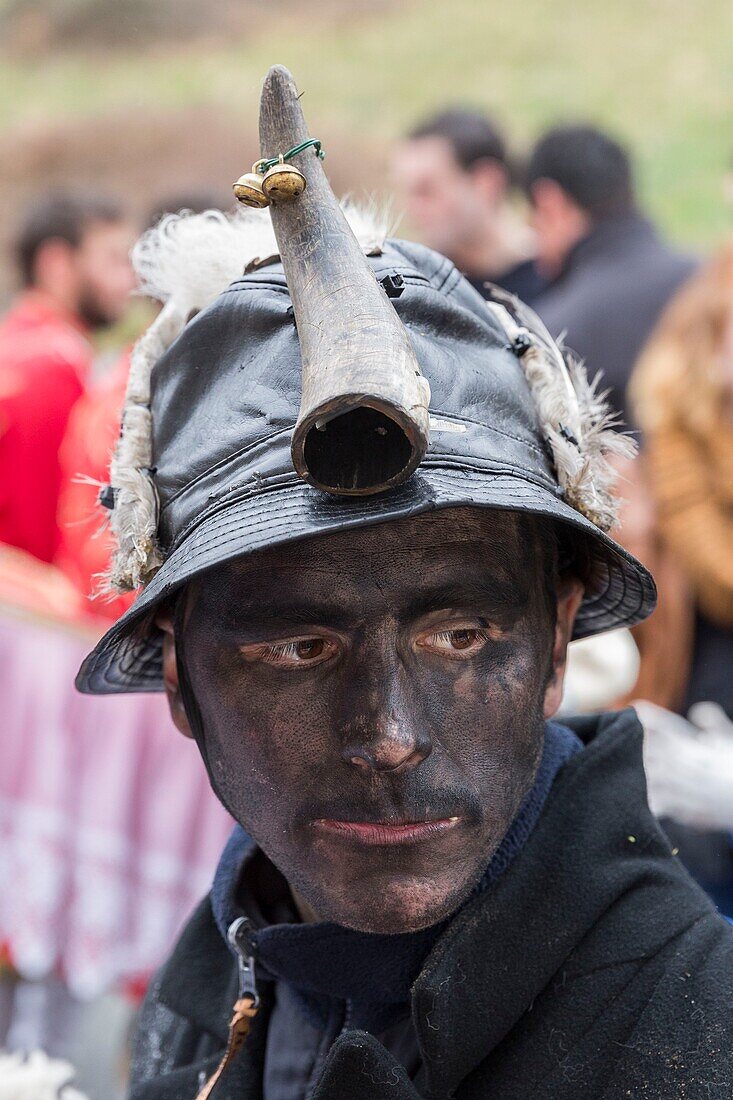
x: 152, y: 96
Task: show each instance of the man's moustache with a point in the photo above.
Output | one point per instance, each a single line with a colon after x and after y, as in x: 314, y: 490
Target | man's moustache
x: 393, y: 806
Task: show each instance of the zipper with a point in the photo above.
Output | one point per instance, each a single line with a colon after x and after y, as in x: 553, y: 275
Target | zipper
x: 347, y: 1018
x: 241, y: 940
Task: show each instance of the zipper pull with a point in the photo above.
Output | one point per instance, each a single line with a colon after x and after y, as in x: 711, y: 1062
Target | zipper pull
x: 239, y: 935
x: 240, y: 938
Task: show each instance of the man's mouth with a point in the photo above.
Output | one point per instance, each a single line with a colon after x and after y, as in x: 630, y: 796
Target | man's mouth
x: 384, y: 832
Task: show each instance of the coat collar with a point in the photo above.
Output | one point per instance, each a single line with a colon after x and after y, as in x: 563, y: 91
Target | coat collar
x: 595, y: 841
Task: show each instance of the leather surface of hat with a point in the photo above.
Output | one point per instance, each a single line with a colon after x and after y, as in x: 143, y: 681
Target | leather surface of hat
x: 248, y: 190
x: 283, y: 182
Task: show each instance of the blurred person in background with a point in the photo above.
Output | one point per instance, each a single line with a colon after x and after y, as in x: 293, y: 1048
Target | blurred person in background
x: 76, y: 951
x: 454, y: 178
x: 682, y: 394
x: 689, y: 772
x: 610, y: 273
x: 92, y: 431
x: 72, y: 252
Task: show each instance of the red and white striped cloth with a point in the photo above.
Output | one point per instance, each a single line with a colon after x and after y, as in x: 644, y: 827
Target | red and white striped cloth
x: 109, y: 831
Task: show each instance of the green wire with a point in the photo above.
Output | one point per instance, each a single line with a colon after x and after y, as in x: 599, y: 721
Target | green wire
x: 262, y: 165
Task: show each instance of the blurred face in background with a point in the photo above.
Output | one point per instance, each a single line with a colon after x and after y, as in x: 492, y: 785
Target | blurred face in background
x: 104, y: 271
x: 444, y: 202
x: 93, y: 280
x: 559, y: 224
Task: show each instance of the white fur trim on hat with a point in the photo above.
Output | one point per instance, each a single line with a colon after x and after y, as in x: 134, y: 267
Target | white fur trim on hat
x: 574, y: 418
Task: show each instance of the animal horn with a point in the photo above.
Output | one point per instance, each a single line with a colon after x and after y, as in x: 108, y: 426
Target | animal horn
x: 363, y: 421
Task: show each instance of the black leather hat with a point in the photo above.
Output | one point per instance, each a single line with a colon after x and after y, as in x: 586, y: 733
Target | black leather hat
x: 224, y: 401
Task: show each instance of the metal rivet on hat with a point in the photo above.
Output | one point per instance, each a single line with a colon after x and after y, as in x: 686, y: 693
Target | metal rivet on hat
x: 521, y: 343
x: 393, y: 285
x: 107, y: 497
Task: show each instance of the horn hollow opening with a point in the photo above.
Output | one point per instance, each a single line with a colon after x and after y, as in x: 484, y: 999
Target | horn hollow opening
x: 360, y: 451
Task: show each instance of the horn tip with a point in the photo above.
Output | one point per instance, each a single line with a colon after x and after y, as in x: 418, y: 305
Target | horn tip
x: 278, y: 76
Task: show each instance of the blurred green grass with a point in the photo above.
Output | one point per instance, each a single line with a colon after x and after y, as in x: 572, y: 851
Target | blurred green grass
x: 659, y: 73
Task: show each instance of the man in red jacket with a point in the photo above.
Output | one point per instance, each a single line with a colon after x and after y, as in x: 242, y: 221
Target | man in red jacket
x: 73, y: 256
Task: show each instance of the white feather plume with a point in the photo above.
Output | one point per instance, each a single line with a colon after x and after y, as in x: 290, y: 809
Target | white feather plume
x: 191, y: 258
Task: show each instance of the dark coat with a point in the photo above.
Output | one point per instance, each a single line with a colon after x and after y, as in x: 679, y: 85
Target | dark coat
x: 523, y: 281
x: 609, y: 296
x: 594, y: 968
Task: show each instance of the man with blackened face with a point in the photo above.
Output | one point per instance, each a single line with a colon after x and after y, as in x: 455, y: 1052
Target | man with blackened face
x: 367, y: 511
x: 375, y: 723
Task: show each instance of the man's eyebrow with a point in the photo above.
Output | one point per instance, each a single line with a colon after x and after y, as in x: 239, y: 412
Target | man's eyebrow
x: 492, y: 593
x: 496, y: 595
x: 266, y: 612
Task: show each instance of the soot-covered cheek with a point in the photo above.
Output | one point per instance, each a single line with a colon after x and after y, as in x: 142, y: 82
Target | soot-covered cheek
x: 259, y: 720
x: 485, y: 718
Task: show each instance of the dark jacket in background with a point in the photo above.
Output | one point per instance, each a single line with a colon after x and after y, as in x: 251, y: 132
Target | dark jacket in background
x: 609, y: 295
x: 523, y: 281
x: 593, y: 969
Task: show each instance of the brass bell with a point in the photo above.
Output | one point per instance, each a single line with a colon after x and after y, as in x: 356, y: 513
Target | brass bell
x: 283, y: 182
x: 248, y: 190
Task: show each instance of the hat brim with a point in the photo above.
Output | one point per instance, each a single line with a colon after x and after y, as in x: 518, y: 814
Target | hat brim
x: 129, y: 656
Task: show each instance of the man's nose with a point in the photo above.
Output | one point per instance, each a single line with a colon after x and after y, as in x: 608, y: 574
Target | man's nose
x: 382, y: 731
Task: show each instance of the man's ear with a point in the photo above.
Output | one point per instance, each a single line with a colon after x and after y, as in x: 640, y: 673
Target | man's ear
x: 556, y: 209
x: 547, y: 195
x: 170, y: 675
x: 569, y: 599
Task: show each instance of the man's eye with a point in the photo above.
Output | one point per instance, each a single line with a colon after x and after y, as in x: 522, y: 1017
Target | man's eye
x: 298, y: 653
x: 463, y: 642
